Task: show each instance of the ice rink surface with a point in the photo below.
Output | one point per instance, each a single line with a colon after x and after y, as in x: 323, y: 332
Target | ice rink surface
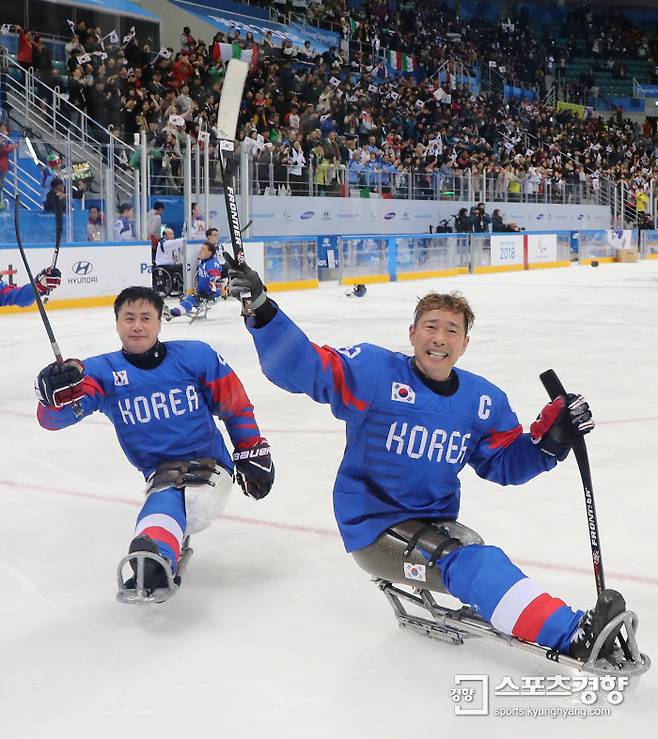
x: 276, y: 633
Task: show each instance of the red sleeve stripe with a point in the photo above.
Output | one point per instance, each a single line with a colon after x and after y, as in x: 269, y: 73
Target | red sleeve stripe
x: 249, y: 443
x: 330, y: 359
x: 92, y: 387
x: 498, y: 439
x: 229, y: 396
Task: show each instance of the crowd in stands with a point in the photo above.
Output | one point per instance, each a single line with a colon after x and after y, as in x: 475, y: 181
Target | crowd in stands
x: 355, y: 123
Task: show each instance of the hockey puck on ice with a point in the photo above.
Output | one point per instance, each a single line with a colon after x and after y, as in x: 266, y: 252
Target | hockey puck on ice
x: 594, y: 263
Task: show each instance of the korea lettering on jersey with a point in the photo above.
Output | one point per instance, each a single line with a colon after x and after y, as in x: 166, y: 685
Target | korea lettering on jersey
x: 406, y: 444
x: 166, y: 412
x: 158, y: 405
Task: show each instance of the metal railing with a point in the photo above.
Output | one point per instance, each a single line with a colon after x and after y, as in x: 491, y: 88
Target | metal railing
x: 638, y: 90
x: 48, y: 113
x: 338, y: 180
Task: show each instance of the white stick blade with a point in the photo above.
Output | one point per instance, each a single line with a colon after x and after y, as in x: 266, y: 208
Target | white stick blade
x: 229, y: 103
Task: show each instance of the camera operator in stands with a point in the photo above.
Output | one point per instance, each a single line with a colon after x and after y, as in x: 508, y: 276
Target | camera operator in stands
x: 497, y: 224
x: 463, y: 223
x: 480, y: 220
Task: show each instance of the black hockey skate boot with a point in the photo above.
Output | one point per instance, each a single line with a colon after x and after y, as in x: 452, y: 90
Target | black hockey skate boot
x: 609, y: 604
x: 154, y: 573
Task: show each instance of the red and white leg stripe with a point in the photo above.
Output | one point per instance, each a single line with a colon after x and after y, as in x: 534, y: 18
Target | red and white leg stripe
x: 161, y: 527
x: 524, y: 609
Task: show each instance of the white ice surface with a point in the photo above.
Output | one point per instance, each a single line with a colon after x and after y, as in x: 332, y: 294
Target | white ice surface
x: 276, y: 633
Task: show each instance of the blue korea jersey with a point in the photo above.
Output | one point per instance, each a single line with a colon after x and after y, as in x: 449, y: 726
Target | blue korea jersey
x: 405, y: 443
x: 165, y: 413
x: 210, y: 270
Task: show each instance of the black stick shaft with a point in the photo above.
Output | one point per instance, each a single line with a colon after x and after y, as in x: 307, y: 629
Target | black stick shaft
x: 59, y: 225
x: 37, y: 296
x: 233, y: 217
x: 554, y: 388
x: 77, y: 408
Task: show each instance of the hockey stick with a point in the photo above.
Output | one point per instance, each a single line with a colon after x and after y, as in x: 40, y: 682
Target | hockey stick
x: 59, y: 222
x: 59, y: 216
x: 59, y: 225
x: 227, y: 122
x: 77, y: 408
x: 554, y: 388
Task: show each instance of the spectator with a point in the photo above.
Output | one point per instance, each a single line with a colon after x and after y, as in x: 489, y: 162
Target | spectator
x: 154, y: 225
x: 479, y: 222
x: 77, y: 97
x: 297, y: 163
x: 187, y: 41
x: 95, y: 224
x: 154, y: 220
x: 497, y: 224
x: 123, y: 226
x: 56, y: 193
x: 198, y: 227
x: 25, y: 48
x: 6, y: 147
x: 42, y: 59
x: 463, y: 223
x: 52, y: 170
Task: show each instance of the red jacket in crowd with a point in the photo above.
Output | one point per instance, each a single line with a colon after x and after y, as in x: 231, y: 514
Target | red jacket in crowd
x: 25, y: 47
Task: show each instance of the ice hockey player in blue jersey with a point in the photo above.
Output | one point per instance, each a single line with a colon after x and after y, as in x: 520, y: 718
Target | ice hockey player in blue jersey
x: 46, y: 281
x: 209, y: 282
x: 412, y: 423
x: 161, y: 398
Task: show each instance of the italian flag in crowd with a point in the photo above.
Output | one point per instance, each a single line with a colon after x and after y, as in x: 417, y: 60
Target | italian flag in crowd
x: 401, y: 62
x: 233, y: 51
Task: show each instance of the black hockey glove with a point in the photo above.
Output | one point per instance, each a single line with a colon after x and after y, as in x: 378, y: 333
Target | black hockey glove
x: 254, y: 469
x: 60, y: 384
x: 241, y: 279
x: 558, y: 423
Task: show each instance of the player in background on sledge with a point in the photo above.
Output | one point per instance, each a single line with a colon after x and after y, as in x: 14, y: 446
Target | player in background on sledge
x: 46, y: 281
x: 209, y: 283
x: 413, y: 422
x: 212, y: 237
x: 162, y: 398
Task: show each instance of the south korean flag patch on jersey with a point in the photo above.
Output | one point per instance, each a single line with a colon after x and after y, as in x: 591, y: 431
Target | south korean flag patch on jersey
x: 120, y: 377
x: 403, y: 393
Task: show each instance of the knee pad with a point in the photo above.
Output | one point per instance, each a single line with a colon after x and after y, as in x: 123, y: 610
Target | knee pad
x: 203, y: 503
